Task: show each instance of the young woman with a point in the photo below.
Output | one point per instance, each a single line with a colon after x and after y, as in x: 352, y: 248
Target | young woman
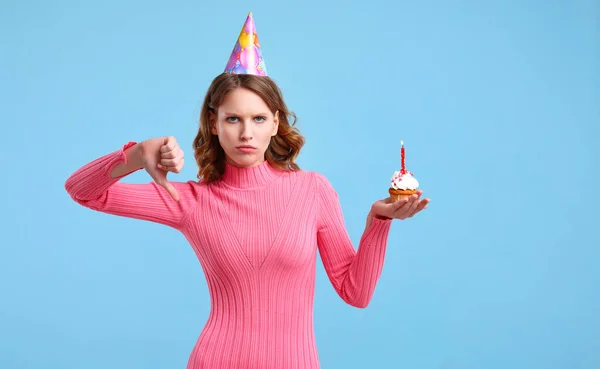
x: 254, y: 220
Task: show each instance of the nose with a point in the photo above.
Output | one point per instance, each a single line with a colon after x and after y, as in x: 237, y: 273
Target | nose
x: 246, y: 133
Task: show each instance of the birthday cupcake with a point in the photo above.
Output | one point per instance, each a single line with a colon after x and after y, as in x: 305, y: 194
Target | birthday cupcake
x: 403, y: 183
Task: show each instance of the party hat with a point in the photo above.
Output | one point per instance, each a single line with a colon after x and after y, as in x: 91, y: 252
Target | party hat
x: 246, y: 57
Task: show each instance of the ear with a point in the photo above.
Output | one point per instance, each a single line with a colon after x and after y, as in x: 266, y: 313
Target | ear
x: 275, y: 124
x: 212, y: 121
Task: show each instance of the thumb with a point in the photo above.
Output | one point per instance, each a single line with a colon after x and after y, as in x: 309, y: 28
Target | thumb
x: 160, y: 178
x: 170, y: 189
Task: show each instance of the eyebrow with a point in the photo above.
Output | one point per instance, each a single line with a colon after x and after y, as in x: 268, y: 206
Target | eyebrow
x: 254, y: 115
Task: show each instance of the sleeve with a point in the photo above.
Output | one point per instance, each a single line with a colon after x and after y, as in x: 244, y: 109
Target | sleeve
x: 353, y: 274
x: 93, y: 187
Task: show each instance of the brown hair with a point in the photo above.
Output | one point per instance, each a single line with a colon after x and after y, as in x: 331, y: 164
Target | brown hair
x: 284, y: 146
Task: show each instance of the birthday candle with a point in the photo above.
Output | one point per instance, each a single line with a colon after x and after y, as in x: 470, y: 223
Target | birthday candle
x: 403, y: 156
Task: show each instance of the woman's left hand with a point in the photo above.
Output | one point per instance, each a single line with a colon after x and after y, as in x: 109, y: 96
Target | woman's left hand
x: 403, y: 209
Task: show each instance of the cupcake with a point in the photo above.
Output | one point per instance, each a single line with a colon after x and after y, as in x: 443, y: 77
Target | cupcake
x: 403, y: 184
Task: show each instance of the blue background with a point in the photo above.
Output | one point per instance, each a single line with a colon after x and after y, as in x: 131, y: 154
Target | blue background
x: 498, y: 105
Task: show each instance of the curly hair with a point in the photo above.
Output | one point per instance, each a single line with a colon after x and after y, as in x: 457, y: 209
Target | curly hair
x: 284, y: 146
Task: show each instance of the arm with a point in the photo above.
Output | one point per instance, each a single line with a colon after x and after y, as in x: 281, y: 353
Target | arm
x: 96, y: 186
x: 353, y: 274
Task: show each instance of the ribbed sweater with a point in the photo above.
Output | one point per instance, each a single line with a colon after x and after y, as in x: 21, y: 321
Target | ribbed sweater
x: 256, y: 233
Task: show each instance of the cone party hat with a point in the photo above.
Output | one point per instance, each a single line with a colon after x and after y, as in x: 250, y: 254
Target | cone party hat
x: 246, y: 57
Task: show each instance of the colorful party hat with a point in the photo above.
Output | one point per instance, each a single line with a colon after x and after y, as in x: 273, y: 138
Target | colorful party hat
x: 246, y: 57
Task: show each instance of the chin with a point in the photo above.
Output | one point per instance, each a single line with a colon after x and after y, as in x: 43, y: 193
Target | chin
x: 246, y: 161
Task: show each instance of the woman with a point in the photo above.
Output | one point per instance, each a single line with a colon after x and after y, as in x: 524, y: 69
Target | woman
x: 254, y: 220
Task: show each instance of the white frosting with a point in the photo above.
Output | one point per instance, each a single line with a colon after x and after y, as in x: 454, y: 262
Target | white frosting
x: 404, y: 182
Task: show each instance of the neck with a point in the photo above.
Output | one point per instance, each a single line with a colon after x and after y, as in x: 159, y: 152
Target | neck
x: 257, y: 176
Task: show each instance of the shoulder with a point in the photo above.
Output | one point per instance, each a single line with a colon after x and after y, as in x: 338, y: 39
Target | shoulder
x: 190, y: 185
x: 308, y: 175
x: 318, y: 181
x: 191, y: 189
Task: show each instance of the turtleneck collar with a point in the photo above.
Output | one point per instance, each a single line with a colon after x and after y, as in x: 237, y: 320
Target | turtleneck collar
x: 257, y: 176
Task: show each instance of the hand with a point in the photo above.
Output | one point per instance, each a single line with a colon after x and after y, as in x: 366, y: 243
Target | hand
x: 402, y: 209
x: 160, y: 156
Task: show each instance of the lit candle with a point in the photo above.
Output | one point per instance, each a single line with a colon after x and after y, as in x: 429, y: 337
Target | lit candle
x: 402, y: 155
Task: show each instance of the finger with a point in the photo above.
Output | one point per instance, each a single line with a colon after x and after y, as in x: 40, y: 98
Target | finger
x: 165, y: 163
x: 174, y: 167
x: 161, y: 179
x: 414, y: 203
x: 392, y: 208
x: 172, y: 154
x: 168, y: 144
x: 180, y: 154
x: 177, y: 160
x: 399, y: 204
x: 172, y: 191
x: 169, y: 154
x: 167, y: 149
x: 407, y: 202
x: 422, y: 205
x: 178, y: 168
x: 406, y: 209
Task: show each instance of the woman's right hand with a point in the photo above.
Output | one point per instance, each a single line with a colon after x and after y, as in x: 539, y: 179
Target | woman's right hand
x: 160, y: 156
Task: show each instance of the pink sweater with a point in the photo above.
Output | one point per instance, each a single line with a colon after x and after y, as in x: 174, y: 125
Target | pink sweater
x: 256, y: 233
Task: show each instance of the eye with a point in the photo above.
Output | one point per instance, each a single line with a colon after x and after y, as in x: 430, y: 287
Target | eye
x: 231, y: 119
x: 260, y: 119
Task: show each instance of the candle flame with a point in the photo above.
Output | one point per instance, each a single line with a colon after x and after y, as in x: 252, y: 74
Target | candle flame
x: 401, y: 142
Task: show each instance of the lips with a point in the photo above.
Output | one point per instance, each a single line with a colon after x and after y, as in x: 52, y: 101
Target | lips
x: 245, y: 147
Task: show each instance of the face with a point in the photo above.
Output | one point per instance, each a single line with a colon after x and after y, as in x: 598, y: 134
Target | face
x: 244, y: 124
